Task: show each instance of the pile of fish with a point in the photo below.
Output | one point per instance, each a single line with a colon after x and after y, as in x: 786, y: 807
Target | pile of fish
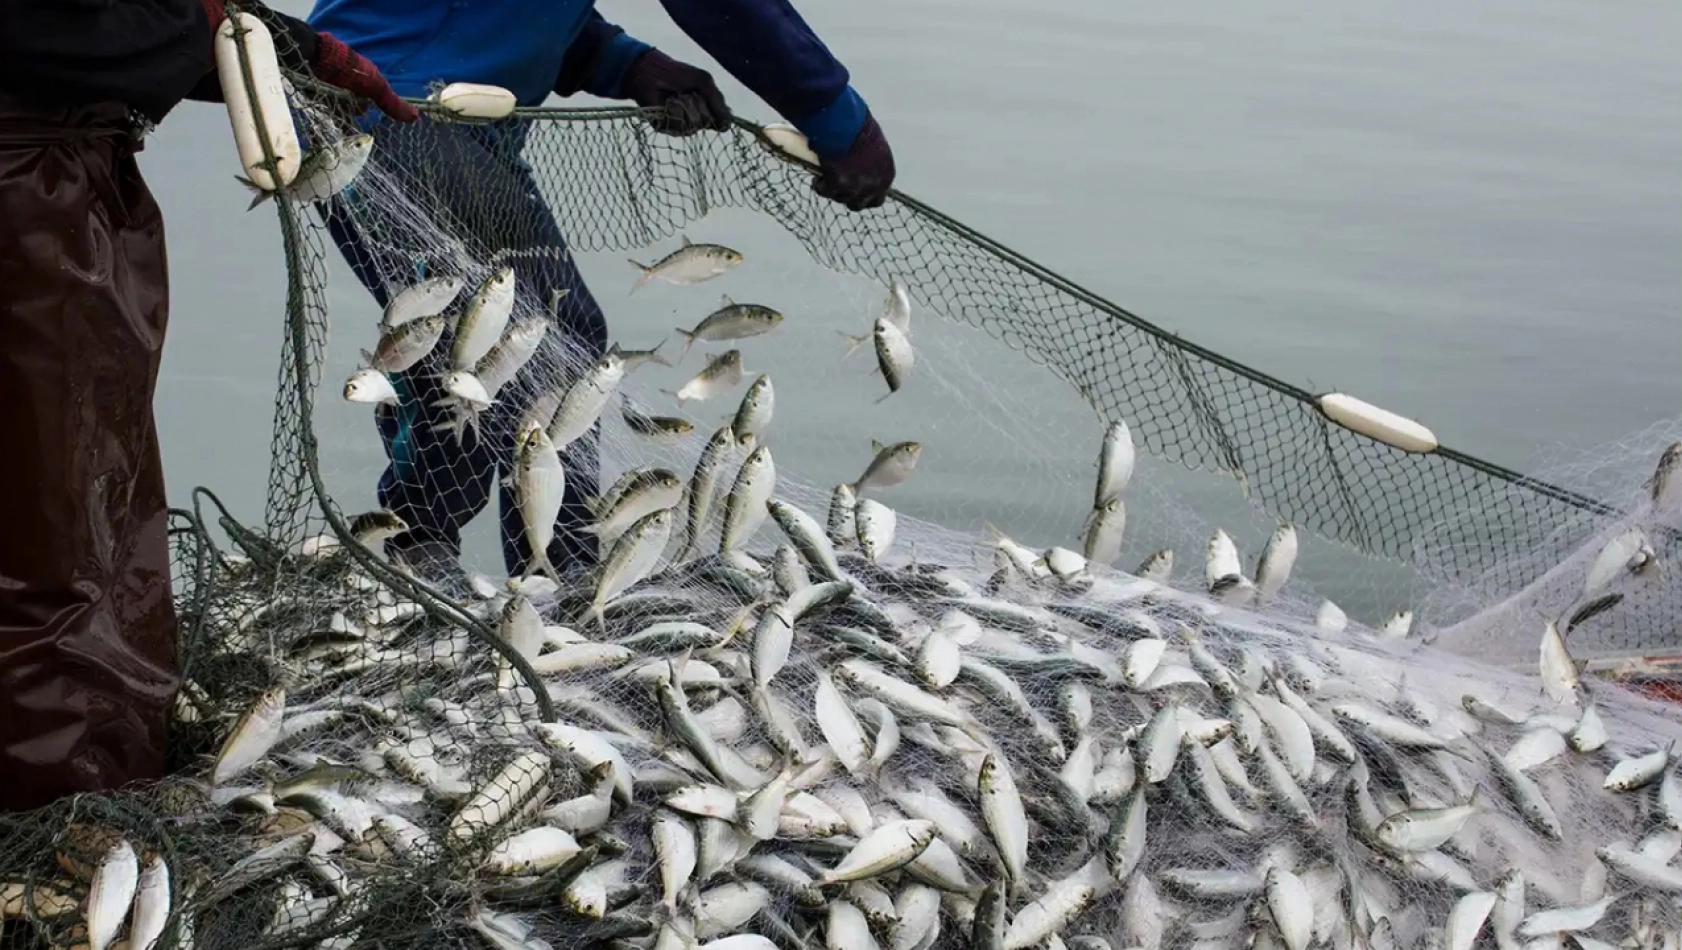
x: 772, y: 730
x: 832, y: 749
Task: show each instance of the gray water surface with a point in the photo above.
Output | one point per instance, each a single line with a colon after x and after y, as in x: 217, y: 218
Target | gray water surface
x: 1469, y: 215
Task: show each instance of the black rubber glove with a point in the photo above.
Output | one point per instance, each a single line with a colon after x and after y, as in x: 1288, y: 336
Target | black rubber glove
x: 688, y: 95
x: 860, y: 177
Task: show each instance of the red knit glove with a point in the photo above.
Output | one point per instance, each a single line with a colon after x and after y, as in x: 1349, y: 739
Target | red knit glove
x: 338, y: 65
x: 334, y: 63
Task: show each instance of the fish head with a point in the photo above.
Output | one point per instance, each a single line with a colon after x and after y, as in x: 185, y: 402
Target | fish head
x: 467, y: 387
x: 729, y: 257
x: 500, y: 281
x: 908, y: 453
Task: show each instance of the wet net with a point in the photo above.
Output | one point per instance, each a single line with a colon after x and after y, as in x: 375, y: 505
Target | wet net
x: 799, y: 704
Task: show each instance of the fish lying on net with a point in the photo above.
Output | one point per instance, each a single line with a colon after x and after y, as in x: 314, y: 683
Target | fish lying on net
x: 834, y: 751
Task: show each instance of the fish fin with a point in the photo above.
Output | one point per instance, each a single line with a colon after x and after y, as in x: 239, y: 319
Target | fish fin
x: 368, y: 358
x: 876, y: 447
x: 884, y: 396
x: 258, y: 195
x: 686, y: 241
x: 688, y: 341
x: 856, y: 339
x: 655, y: 357
x: 647, y: 275
x: 725, y: 298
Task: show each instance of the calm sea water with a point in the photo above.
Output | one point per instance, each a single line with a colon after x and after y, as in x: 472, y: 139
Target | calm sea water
x: 1470, y: 215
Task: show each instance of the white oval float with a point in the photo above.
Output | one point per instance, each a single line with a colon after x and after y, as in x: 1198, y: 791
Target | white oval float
x: 1376, y: 423
x: 473, y: 100
x: 271, y: 99
x: 790, y: 140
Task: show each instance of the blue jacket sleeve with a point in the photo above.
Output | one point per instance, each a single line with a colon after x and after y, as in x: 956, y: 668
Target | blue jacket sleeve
x: 770, y: 49
x: 597, y: 59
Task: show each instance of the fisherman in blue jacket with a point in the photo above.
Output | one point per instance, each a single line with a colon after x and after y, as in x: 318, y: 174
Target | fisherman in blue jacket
x: 472, y: 176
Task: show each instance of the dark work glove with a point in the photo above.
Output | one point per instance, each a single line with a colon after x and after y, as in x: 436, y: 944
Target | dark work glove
x: 329, y: 60
x: 860, y: 177
x: 689, y: 96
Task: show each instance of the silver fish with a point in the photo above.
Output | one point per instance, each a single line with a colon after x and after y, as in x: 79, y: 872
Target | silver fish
x: 650, y: 491
x: 891, y: 465
x: 703, y: 487
x: 632, y: 558
x: 539, y: 490
x: 404, y: 346
x: 424, y: 298
x: 754, y: 413
x: 370, y: 387
x: 111, y: 893
x: 1115, y: 463
x: 584, y: 401
x: 1158, y: 566
x: 1007, y: 822
x: 808, y: 538
x: 654, y: 427
x: 516, y: 348
x: 721, y: 374
x: 841, y: 525
x: 635, y: 359
x: 484, y: 318
x: 894, y: 355
x: 1101, y: 535
x: 744, y: 510
x: 731, y: 321
x: 875, y: 523
x: 1664, y: 487
x: 252, y: 737
x: 151, y: 904
x: 1273, y: 568
x: 689, y: 264
x: 323, y: 172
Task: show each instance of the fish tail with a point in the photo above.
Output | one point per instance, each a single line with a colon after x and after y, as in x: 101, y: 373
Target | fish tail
x: 885, y: 395
x: 655, y: 357
x: 258, y: 195
x: 688, y: 341
x: 856, y: 339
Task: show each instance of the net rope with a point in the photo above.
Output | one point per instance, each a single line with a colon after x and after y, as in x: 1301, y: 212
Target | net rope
x: 738, y: 746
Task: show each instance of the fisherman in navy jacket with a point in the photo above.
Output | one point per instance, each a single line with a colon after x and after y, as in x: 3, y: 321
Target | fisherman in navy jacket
x: 474, y: 174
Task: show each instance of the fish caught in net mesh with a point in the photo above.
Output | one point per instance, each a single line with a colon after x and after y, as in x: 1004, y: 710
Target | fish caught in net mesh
x: 779, y: 714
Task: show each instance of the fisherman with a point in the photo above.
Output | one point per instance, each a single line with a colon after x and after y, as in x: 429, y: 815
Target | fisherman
x: 473, y: 175
x: 88, y: 660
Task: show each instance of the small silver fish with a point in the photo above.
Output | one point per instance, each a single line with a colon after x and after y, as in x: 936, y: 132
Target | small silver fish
x: 754, y: 413
x: 745, y: 510
x: 690, y: 264
x: 1273, y: 568
x: 323, y: 172
x: 632, y: 558
x: 425, y: 298
x: 731, y: 321
x: 110, y: 894
x: 403, y: 347
x: 371, y: 387
x: 484, y: 318
x: 841, y: 524
x: 1101, y: 536
x: 654, y: 427
x: 721, y: 374
x: 585, y: 399
x: 1665, y: 487
x: 703, y: 486
x: 875, y: 523
x: 635, y: 359
x: 1115, y: 462
x: 256, y: 732
x: 1157, y: 567
x: 891, y: 465
x: 894, y: 355
x: 539, y: 490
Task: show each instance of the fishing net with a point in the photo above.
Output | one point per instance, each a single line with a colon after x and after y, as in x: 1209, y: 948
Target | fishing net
x: 857, y: 725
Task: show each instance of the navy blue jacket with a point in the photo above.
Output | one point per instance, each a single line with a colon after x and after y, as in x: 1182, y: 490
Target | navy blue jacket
x: 533, y: 47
